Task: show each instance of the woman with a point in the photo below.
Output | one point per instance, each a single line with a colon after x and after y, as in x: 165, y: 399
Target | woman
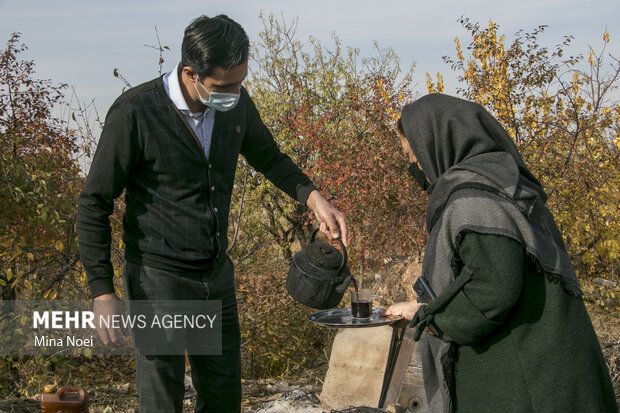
x: 508, y: 330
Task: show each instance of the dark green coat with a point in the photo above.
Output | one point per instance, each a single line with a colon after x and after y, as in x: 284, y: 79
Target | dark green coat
x: 524, y: 343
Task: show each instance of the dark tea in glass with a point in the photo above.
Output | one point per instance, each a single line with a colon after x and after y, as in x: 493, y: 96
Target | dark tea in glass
x: 361, y: 303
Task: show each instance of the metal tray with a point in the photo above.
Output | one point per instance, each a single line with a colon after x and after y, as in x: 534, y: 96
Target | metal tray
x: 341, y: 317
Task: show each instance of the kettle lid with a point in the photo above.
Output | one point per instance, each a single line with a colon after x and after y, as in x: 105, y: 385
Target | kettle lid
x: 324, y: 255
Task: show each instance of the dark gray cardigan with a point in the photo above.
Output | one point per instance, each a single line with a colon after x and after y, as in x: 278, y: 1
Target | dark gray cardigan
x: 177, y: 201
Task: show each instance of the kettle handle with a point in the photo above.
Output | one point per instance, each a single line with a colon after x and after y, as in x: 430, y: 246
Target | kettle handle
x: 68, y: 389
x: 345, y: 256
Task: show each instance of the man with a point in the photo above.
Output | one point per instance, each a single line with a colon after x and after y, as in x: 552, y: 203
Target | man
x: 172, y: 144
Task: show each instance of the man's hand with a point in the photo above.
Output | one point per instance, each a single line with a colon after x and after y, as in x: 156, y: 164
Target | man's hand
x: 331, y: 221
x: 106, y: 306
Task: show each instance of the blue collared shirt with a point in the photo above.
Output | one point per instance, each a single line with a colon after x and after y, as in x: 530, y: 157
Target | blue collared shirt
x: 200, y: 122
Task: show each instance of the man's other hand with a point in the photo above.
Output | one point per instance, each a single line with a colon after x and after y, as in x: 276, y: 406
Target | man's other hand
x: 106, y: 306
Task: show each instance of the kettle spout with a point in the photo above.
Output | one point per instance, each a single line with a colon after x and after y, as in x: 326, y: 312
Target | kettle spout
x: 341, y: 288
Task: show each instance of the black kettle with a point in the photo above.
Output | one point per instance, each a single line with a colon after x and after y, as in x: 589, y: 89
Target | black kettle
x: 319, y: 276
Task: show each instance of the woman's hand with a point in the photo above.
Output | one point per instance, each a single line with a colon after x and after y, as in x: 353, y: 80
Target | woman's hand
x: 405, y: 309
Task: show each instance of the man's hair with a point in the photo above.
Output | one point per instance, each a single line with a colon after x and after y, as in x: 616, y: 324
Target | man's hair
x: 211, y: 42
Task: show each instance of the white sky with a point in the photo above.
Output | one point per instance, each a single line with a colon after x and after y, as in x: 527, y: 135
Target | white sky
x: 81, y: 42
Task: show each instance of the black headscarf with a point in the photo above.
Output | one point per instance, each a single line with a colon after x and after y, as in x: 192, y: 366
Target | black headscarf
x: 445, y: 132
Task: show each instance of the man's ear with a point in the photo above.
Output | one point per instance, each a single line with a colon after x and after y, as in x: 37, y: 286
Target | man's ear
x: 188, y: 71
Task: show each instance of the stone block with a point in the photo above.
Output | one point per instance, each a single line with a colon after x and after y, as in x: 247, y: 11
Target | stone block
x: 356, y: 367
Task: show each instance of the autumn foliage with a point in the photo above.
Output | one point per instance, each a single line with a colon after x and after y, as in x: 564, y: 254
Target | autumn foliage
x: 40, y: 179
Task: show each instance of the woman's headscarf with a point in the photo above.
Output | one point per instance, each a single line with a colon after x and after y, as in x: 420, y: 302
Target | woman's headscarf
x: 446, y: 132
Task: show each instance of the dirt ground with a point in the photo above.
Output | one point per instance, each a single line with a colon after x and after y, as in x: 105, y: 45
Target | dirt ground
x: 124, y: 398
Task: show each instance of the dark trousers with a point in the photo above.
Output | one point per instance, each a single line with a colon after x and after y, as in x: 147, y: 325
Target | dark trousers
x: 217, y: 379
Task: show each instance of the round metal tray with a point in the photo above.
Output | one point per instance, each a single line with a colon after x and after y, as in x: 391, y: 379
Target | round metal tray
x: 341, y: 317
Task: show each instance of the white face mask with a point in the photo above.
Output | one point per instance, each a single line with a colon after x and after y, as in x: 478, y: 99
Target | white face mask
x: 218, y: 101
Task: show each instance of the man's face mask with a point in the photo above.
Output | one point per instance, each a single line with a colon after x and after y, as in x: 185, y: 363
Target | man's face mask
x: 418, y: 175
x: 218, y: 101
